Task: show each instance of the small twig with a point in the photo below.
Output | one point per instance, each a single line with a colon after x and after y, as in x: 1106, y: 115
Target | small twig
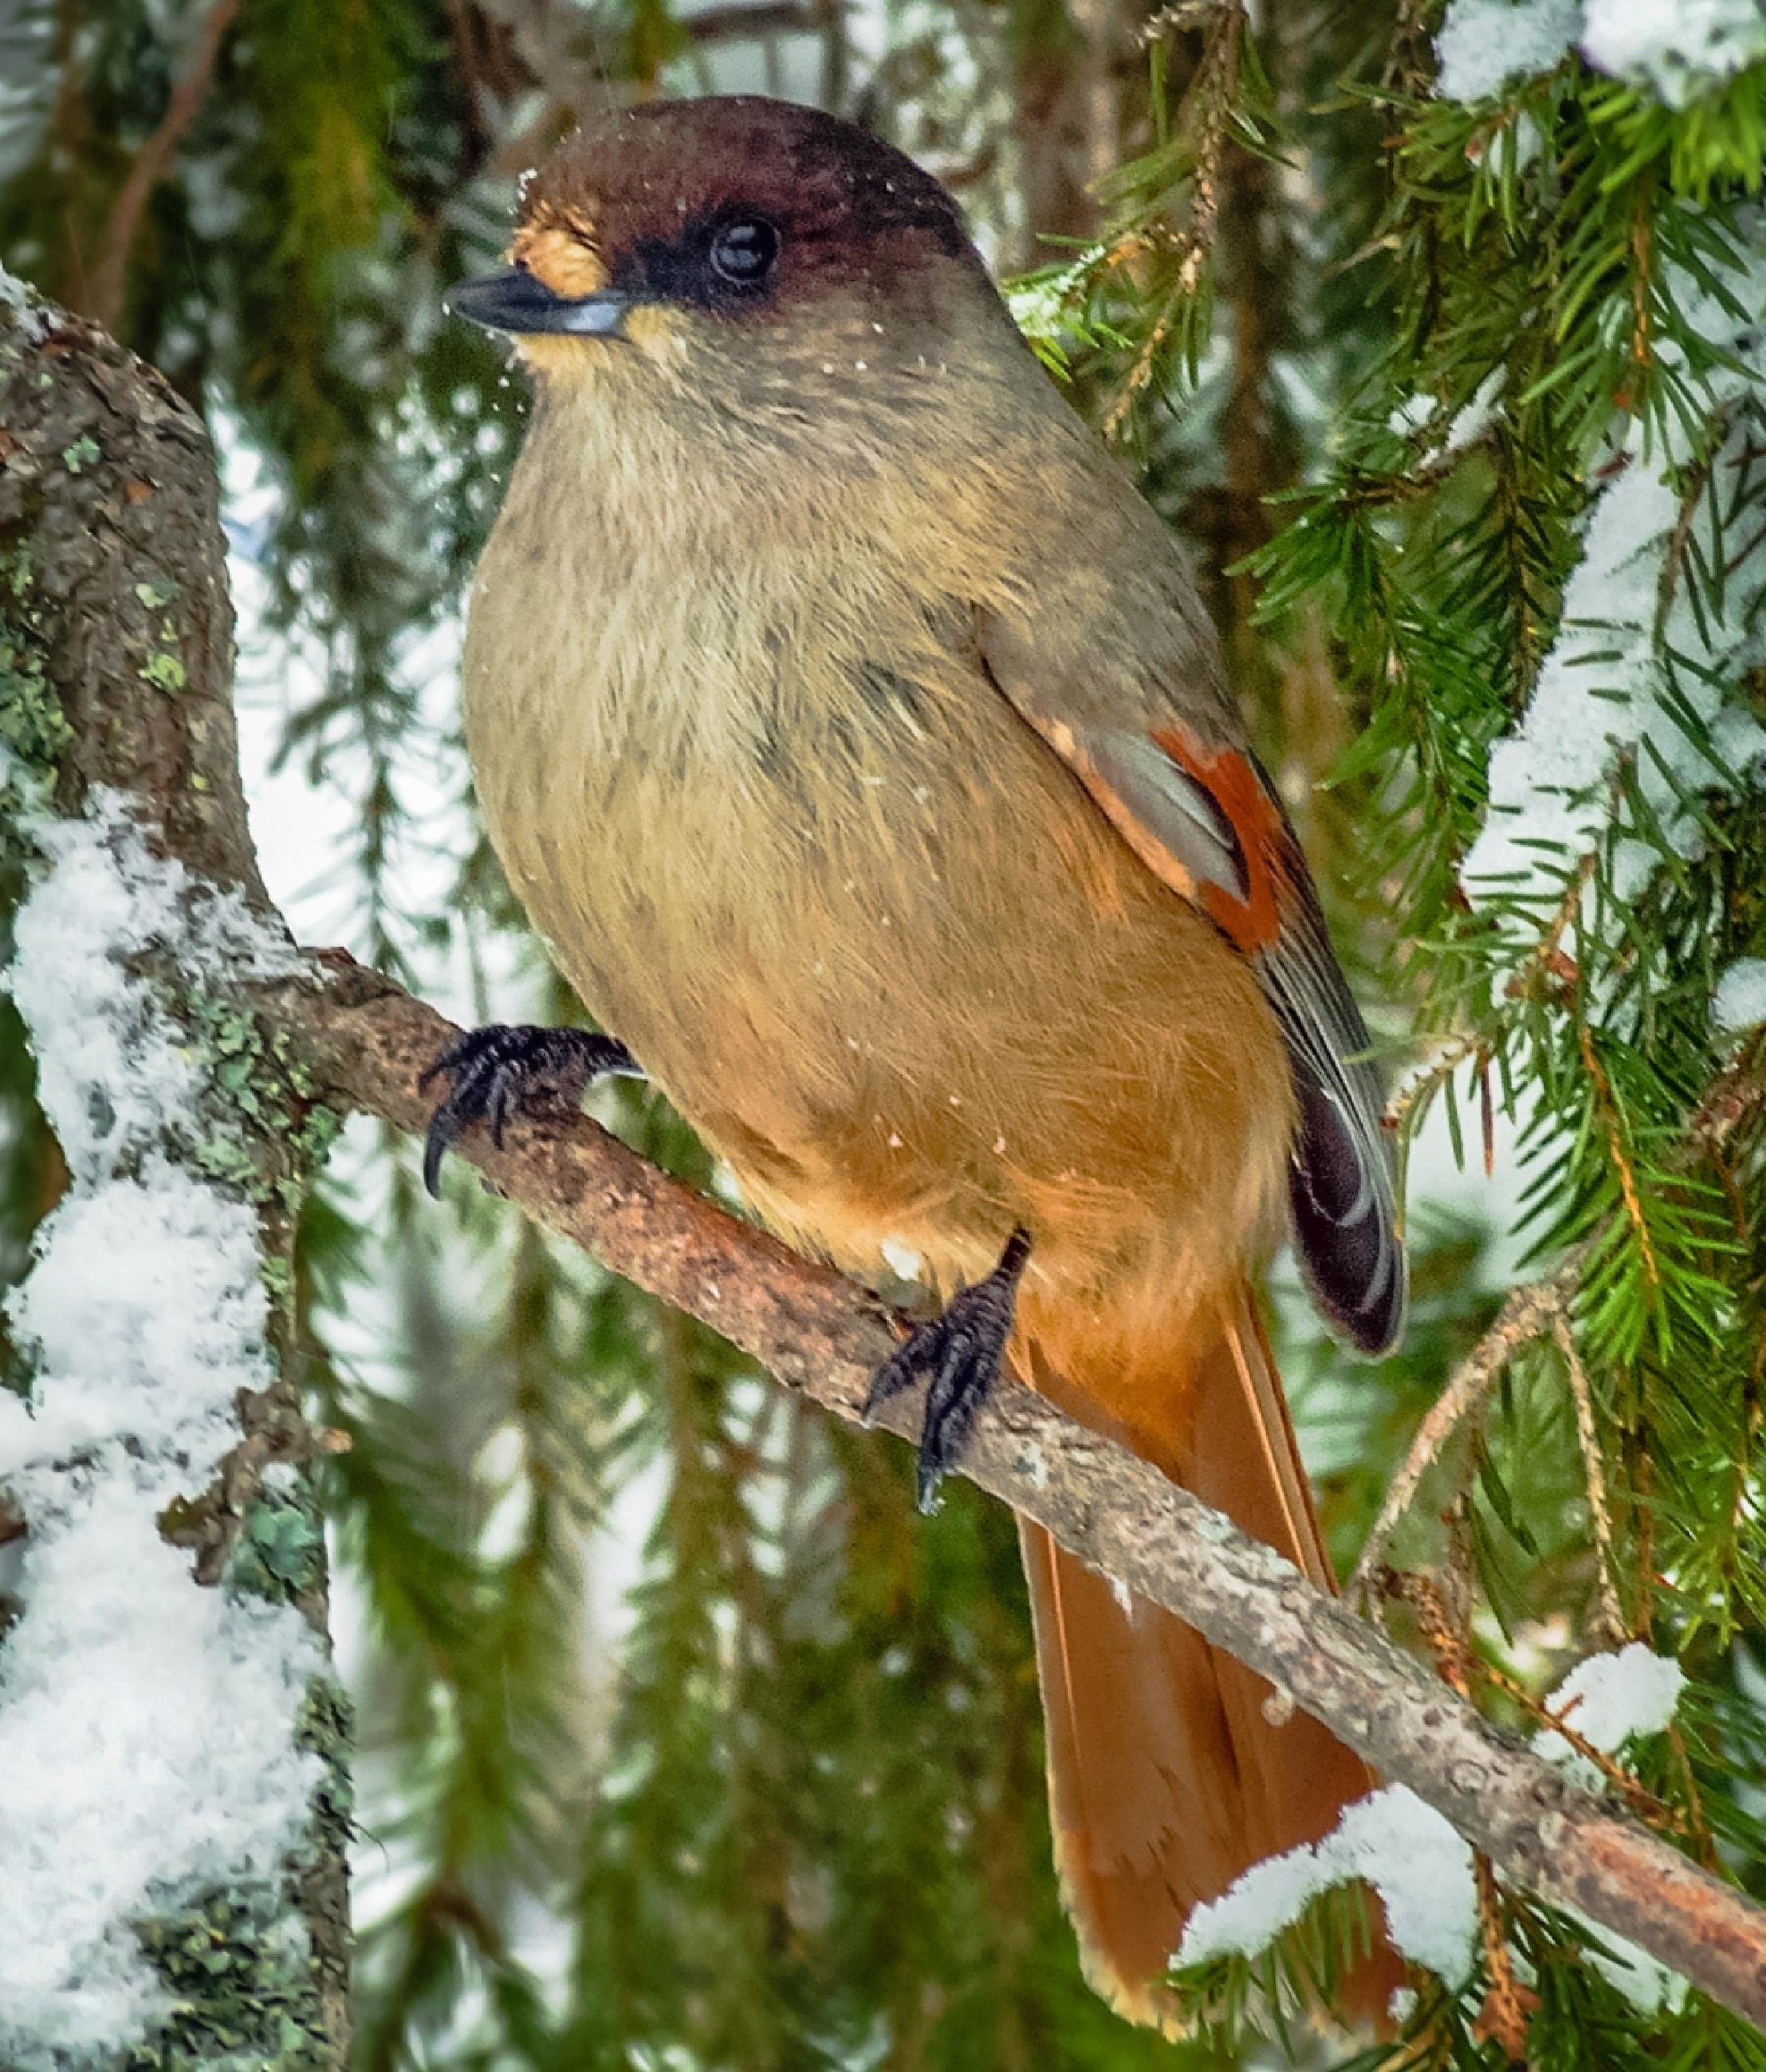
x: 1642, y: 1801
x: 1487, y: 1114
x: 1441, y: 1619
x: 1703, y: 1841
x: 1546, y: 956
x: 1608, y: 1627
x: 1674, y: 560
x: 1643, y: 1477
x: 1428, y: 1074
x: 1612, y: 1125
x: 110, y: 277
x: 1211, y: 94
x: 1642, y: 246
x: 1442, y: 1615
x: 1508, y: 2007
x: 1526, y: 1316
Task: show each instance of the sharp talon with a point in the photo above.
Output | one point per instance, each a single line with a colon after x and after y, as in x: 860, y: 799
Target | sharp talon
x: 504, y: 1071
x: 958, y: 1354
x: 435, y: 1145
x: 502, y: 1100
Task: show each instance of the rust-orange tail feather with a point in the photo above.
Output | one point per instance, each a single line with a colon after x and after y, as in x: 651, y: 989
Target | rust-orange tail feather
x: 1166, y: 1779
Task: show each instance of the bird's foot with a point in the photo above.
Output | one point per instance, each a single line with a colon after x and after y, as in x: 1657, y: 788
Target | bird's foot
x: 505, y: 1069
x: 959, y: 1354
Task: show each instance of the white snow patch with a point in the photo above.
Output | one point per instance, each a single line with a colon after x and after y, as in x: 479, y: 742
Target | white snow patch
x: 113, y: 1072
x: 1470, y: 424
x: 142, y: 1291
x: 146, y: 1724
x: 145, y: 1728
x: 1466, y: 424
x: 1740, y: 1000
x: 901, y: 1259
x: 1680, y: 47
x: 1483, y: 44
x: 1414, y: 1859
x: 1606, y: 687
x: 1612, y: 1698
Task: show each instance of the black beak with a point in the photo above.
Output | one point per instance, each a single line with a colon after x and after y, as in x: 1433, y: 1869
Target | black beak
x: 512, y: 299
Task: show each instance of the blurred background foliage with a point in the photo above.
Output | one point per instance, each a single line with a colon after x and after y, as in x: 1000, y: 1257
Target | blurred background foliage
x: 684, y: 1742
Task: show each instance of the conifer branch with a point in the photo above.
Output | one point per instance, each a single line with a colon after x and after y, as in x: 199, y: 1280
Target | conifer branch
x: 369, y: 1040
x: 1608, y: 1624
x: 366, y: 1042
x: 1528, y: 1314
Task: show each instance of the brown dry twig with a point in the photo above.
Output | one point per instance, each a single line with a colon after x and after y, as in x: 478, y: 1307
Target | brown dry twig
x: 366, y: 1043
x: 1525, y: 1317
x: 1211, y: 97
x: 105, y: 291
x: 1608, y: 1628
x: 1508, y: 2006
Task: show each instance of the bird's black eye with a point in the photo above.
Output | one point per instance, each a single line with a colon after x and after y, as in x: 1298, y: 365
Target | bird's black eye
x: 744, y: 251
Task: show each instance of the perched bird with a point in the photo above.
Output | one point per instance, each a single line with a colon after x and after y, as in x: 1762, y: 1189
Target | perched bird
x: 854, y: 735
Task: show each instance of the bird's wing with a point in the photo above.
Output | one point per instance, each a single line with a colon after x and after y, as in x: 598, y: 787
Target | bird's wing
x: 1201, y: 814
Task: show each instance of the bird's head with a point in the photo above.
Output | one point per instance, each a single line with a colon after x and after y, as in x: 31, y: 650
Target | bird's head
x: 760, y: 255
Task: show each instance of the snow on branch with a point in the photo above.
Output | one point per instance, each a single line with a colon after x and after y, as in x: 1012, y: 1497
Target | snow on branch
x: 148, y: 1747
x: 1679, y: 48
x: 1640, y: 666
x: 365, y: 1042
x: 369, y: 1042
x: 169, y: 1819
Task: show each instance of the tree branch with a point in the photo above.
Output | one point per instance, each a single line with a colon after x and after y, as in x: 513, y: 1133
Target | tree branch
x: 110, y: 275
x: 1528, y: 1314
x: 366, y: 1042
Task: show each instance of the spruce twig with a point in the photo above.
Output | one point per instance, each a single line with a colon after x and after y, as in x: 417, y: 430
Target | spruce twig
x: 1608, y: 1629
x: 1527, y: 1314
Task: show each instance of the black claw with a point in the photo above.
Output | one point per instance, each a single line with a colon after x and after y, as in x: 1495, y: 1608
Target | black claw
x: 507, y: 1070
x: 959, y: 1354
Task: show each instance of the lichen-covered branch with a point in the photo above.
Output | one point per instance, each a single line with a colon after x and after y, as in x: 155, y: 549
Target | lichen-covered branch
x: 173, y: 1794
x: 364, y: 1043
x: 368, y: 1041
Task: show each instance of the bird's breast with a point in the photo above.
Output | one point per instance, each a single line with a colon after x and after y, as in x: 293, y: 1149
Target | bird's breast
x: 727, y: 815
x: 789, y: 845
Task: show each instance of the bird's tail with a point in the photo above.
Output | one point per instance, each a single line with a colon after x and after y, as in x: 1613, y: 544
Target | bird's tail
x: 1166, y: 1779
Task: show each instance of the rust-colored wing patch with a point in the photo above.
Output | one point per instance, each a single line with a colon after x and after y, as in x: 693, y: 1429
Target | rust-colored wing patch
x: 1250, y: 917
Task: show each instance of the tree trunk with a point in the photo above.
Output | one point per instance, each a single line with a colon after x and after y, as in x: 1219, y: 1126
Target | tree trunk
x: 173, y: 1788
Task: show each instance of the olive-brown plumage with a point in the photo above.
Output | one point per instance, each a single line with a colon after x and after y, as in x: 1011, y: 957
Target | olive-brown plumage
x: 852, y: 731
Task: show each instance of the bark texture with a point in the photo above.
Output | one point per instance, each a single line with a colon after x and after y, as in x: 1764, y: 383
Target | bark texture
x: 114, y: 614
x: 365, y: 1042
